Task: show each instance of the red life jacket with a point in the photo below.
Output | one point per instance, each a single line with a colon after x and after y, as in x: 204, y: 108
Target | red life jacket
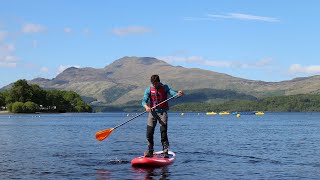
x: 157, y: 96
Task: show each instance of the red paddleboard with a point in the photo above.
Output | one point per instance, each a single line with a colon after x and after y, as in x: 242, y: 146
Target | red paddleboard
x: 156, y: 161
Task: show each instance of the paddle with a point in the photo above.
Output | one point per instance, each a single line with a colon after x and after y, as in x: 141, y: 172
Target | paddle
x: 103, y: 134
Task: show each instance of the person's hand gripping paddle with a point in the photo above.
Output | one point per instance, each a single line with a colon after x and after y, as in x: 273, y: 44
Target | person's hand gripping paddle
x: 103, y: 134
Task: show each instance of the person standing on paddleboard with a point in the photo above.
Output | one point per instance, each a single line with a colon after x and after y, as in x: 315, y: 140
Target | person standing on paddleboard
x: 156, y: 93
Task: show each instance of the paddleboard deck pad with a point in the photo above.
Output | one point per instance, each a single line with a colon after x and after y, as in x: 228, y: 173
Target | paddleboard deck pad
x: 157, y: 160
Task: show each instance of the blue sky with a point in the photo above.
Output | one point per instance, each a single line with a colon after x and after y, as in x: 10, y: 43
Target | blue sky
x: 268, y: 40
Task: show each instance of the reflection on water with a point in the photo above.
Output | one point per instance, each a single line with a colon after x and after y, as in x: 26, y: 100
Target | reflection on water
x: 145, y: 173
x: 151, y: 173
x: 103, y: 174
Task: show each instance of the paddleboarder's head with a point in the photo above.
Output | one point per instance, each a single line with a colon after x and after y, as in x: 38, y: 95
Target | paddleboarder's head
x: 155, y: 80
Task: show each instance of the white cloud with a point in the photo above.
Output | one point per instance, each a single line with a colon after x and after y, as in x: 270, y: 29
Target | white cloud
x: 253, y: 17
x: 130, y: 30
x: 237, y: 16
x: 297, y: 68
x: 215, y: 63
x: 67, y: 30
x: 8, y: 64
x: 10, y: 58
x: 8, y: 61
x: 61, y: 68
x: 7, y: 57
x: 32, y: 28
x: 247, y: 17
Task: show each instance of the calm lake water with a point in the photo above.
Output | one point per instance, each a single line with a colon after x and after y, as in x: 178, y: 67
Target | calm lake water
x: 63, y: 146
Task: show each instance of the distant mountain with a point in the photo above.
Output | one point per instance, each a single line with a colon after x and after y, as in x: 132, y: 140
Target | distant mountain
x: 125, y: 80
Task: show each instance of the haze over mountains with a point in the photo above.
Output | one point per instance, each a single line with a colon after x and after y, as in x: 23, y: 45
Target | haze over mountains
x: 126, y: 79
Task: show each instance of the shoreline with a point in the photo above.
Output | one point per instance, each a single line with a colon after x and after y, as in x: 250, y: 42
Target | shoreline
x: 5, y: 112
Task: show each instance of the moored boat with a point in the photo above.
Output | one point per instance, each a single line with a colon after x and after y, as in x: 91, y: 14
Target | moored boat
x: 224, y: 113
x: 259, y: 113
x: 211, y: 113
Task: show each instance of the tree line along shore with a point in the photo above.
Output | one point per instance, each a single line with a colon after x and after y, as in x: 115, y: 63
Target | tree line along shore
x: 291, y: 103
x: 25, y: 98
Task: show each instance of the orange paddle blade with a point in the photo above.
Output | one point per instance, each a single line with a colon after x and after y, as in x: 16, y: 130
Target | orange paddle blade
x: 101, y: 135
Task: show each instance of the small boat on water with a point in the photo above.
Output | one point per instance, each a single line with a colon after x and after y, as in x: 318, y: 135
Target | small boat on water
x: 244, y: 113
x: 224, y: 113
x: 211, y: 113
x: 259, y: 113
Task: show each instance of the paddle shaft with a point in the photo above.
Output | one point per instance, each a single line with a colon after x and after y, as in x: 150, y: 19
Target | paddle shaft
x: 145, y: 111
